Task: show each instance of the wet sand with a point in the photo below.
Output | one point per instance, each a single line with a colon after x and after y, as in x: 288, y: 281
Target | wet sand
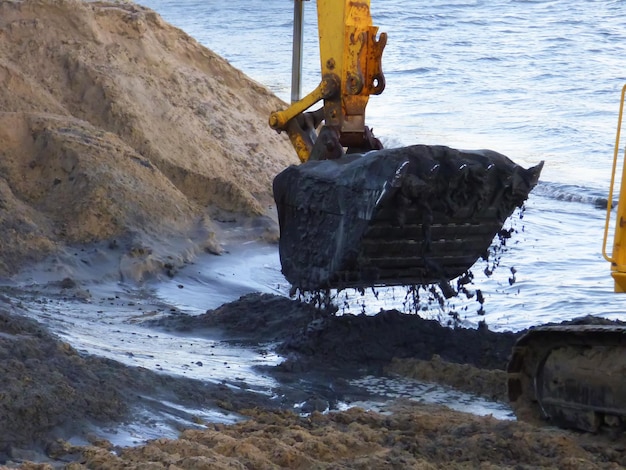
x: 56, y: 398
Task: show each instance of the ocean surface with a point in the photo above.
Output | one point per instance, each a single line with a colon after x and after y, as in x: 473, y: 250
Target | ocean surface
x: 532, y: 79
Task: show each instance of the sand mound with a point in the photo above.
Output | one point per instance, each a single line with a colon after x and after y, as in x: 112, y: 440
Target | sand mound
x: 415, y: 436
x: 115, y: 123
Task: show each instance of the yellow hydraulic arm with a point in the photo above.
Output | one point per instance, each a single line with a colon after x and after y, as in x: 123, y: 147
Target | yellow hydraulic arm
x: 350, y: 55
x: 618, y: 257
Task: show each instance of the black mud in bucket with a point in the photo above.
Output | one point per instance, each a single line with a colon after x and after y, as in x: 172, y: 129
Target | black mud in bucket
x: 412, y: 215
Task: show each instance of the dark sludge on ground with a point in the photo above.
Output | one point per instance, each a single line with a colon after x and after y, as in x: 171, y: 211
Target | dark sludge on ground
x: 407, y: 216
x: 369, y: 340
x: 50, y: 391
x: 322, y: 351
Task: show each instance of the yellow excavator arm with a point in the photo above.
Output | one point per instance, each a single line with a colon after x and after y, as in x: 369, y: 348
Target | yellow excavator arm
x: 618, y: 256
x: 350, y: 55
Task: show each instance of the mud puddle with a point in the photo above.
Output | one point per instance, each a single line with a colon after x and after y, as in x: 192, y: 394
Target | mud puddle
x: 110, y: 324
x: 253, y: 341
x: 393, y: 388
x: 215, y: 280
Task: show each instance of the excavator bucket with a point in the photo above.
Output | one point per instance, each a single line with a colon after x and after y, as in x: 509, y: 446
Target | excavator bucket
x: 412, y: 215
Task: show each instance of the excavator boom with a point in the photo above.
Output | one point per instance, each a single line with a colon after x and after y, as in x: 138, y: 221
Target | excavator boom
x: 351, y: 55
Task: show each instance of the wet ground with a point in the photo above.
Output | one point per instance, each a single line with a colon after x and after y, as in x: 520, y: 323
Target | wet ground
x: 95, y: 361
x: 120, y: 361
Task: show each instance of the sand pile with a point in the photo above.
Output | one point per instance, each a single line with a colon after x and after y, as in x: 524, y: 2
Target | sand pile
x: 414, y: 436
x: 116, y: 125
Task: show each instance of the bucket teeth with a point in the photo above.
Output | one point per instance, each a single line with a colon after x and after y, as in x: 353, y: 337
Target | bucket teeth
x: 413, y: 215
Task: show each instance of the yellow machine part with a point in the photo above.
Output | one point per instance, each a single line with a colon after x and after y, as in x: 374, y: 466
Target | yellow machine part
x: 350, y: 52
x: 618, y: 256
x: 350, y: 55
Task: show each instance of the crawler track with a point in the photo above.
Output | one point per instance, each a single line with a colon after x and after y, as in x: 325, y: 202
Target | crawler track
x: 573, y: 376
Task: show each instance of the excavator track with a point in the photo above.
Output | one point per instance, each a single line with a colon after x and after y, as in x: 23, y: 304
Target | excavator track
x: 408, y: 216
x: 573, y: 376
